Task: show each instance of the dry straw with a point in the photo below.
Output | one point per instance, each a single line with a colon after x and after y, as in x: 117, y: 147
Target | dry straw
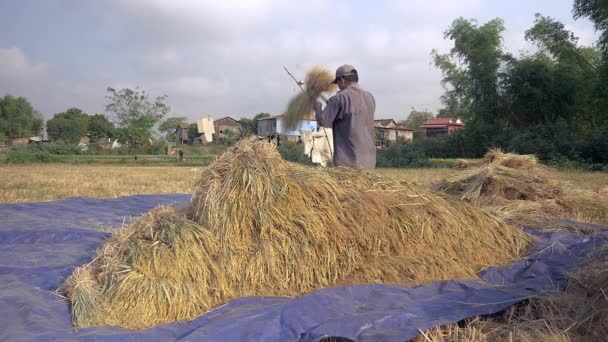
x: 516, y: 186
x: 580, y: 313
x: 317, y: 82
x: 261, y: 226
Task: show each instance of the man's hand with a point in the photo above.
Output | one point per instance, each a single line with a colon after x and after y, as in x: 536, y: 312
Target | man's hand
x: 318, y: 107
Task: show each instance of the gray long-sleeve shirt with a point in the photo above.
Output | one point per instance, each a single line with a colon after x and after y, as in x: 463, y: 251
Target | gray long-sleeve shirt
x: 350, y: 113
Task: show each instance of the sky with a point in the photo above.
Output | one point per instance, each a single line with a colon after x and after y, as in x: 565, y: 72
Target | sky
x: 225, y: 58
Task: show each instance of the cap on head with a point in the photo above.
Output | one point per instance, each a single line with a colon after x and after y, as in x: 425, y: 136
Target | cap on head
x: 345, y: 70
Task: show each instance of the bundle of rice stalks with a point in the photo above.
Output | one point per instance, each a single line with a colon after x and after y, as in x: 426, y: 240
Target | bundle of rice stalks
x: 318, y: 81
x: 160, y: 268
x: 266, y: 227
x: 516, y: 185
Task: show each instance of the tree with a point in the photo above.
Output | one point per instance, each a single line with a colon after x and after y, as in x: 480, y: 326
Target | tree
x: 68, y: 131
x: 18, y: 119
x: 261, y: 116
x: 597, y: 12
x: 416, y: 119
x: 192, y: 132
x: 168, y: 126
x: 135, y: 113
x: 100, y: 127
x: 68, y: 126
x: 552, y: 36
x: 575, y: 73
x: 248, y: 126
x: 471, y: 78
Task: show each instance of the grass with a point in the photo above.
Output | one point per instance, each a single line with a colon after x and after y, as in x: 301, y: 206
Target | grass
x: 48, y: 182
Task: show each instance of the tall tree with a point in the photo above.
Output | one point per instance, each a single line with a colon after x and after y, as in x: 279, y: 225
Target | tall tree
x: 471, y: 75
x: 18, y: 119
x: 248, y: 126
x: 100, y: 127
x: 416, y: 119
x: 261, y: 116
x: 135, y: 113
x: 574, y: 76
x: 597, y: 12
x: 168, y: 126
x: 68, y: 126
x: 192, y: 132
x: 552, y: 36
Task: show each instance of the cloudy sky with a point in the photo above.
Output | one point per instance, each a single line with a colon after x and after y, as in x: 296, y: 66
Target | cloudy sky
x: 226, y: 58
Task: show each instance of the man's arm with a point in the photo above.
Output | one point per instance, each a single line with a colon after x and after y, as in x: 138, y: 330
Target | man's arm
x: 327, y: 116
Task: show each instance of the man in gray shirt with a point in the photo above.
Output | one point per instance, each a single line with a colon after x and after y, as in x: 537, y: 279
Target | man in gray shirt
x: 350, y: 113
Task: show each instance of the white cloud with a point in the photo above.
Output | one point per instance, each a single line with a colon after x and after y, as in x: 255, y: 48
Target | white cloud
x: 15, y: 67
x: 227, y: 57
x: 193, y: 86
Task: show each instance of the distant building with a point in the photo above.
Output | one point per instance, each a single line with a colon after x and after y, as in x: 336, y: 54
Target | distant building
x: 206, y: 130
x: 276, y: 125
x: 390, y: 130
x: 441, y: 127
x: 181, y: 133
x: 227, y: 124
x: 266, y: 126
x: 43, y: 138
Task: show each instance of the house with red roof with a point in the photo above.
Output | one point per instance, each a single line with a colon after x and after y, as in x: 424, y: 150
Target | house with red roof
x: 441, y: 127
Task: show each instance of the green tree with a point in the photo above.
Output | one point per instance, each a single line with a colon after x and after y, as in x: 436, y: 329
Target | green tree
x: 248, y: 126
x: 66, y: 130
x: 261, y: 116
x: 168, y: 126
x: 574, y: 75
x: 135, y: 113
x: 18, y: 119
x: 416, y: 119
x: 471, y: 78
x: 68, y: 126
x: 100, y: 127
x: 552, y: 36
x: 192, y: 132
x: 597, y: 12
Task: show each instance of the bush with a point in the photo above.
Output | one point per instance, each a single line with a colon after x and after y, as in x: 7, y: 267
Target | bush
x: 57, y: 149
x: 294, y: 152
x: 404, y: 155
x: 24, y: 155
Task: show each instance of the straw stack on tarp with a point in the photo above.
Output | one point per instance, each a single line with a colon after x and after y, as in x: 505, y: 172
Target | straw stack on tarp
x: 318, y: 81
x: 262, y: 226
x: 517, y: 186
x: 580, y: 313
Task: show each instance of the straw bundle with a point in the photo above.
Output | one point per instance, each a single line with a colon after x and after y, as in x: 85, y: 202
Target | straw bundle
x: 262, y: 226
x: 518, y: 186
x: 318, y: 81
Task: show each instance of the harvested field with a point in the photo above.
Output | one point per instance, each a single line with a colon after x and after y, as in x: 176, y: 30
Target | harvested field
x: 49, y: 182
x: 259, y: 225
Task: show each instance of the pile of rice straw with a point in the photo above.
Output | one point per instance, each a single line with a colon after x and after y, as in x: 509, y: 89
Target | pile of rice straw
x: 317, y: 82
x: 580, y: 313
x: 517, y: 186
x: 261, y: 226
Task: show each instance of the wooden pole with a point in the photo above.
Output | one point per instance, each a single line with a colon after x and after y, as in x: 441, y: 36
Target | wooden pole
x: 299, y: 83
x: 398, y: 149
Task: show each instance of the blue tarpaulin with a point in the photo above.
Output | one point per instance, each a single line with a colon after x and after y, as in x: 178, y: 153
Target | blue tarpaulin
x: 41, y: 244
